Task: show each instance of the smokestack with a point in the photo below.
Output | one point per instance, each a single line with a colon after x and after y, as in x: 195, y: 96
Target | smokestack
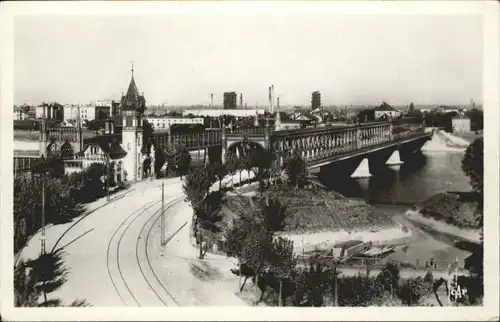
x: 278, y: 103
x: 270, y: 101
x: 241, y: 100
x: 211, y: 100
x: 272, y: 92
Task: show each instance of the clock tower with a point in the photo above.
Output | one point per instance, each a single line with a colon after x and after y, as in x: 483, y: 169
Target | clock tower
x: 132, y: 107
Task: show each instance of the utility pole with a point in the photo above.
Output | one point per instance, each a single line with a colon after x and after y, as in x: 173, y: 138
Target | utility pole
x: 43, y: 237
x: 162, y: 220
x: 107, y: 177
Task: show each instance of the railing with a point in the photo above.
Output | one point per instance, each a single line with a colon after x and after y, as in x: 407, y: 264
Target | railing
x: 317, y: 145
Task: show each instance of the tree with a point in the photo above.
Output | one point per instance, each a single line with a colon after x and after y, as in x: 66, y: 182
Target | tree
x: 87, y: 185
x: 274, y: 214
x: 255, y: 251
x: 197, y: 185
x: 263, y: 161
x: 412, y: 291
x: 387, y: 279
x: 356, y: 290
x: 473, y: 167
x: 476, y: 119
x: 49, y: 273
x: 208, y: 215
x: 147, y: 136
x: 196, y: 188
x: 182, y: 159
x: 311, y: 284
x: 219, y: 171
x: 38, y: 276
x: 296, y: 170
x: 25, y: 292
x: 160, y: 160
x: 231, y: 164
x: 282, y: 261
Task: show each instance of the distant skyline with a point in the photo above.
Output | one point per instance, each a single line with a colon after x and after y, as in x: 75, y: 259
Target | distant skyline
x: 182, y: 59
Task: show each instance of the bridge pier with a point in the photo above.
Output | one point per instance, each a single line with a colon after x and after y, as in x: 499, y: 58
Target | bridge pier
x: 394, y: 159
x: 363, y: 170
x: 408, y: 150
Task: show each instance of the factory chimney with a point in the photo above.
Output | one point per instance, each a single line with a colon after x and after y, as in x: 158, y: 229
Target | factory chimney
x: 270, y: 101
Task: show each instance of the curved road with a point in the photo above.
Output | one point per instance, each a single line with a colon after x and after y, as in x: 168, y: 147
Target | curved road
x: 114, y: 256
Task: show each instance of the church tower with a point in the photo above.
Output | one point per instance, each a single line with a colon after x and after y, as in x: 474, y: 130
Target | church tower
x: 132, y: 106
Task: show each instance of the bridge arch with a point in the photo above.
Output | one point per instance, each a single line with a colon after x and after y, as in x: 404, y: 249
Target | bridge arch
x: 244, y: 147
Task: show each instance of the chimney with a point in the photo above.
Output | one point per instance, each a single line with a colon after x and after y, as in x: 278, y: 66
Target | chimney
x: 272, y: 93
x: 270, y: 101
x: 241, y: 101
x: 278, y: 103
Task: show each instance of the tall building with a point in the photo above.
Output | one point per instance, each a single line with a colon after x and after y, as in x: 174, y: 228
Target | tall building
x: 315, y: 100
x: 230, y: 100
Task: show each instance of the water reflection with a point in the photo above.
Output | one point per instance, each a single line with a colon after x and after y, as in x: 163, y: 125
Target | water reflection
x: 418, y: 178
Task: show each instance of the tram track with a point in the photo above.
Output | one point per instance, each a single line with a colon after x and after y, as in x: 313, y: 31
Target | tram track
x: 169, y: 205
x: 137, y: 213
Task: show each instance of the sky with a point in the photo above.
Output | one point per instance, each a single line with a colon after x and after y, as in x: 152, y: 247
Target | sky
x: 182, y: 59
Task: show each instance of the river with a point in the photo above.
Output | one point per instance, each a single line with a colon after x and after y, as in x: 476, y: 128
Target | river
x: 393, y: 190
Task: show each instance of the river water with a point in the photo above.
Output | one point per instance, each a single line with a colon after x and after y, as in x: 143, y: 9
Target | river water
x: 395, y: 189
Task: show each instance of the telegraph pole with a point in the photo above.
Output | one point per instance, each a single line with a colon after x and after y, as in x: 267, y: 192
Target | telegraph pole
x: 43, y: 237
x: 107, y: 178
x: 162, y: 221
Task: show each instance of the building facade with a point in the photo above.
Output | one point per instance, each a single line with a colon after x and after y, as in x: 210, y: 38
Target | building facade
x: 53, y: 111
x: 460, y: 124
x: 20, y: 115
x: 87, y: 112
x: 315, y: 100
x: 230, y: 100
x: 219, y: 112
x: 385, y: 110
x: 164, y: 122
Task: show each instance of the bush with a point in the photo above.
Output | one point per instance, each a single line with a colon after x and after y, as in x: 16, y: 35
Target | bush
x: 412, y: 291
x: 63, y: 198
x: 448, y: 208
x: 356, y: 290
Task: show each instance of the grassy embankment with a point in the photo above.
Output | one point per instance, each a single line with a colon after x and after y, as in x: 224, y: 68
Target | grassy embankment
x: 448, y: 217
x: 309, y: 211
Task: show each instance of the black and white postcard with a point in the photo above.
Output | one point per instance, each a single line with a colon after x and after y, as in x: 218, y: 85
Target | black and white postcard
x: 249, y: 160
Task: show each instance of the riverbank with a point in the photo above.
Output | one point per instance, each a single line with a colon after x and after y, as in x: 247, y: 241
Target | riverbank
x: 445, y: 142
x: 313, y: 242
x: 442, y: 231
x: 316, y: 219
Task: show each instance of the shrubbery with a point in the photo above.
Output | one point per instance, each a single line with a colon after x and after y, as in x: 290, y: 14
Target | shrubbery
x: 448, y: 208
x: 63, y: 198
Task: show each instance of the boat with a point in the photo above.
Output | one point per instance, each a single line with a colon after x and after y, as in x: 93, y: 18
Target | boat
x: 377, y: 251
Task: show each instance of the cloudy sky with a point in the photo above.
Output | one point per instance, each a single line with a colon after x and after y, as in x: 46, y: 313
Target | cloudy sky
x: 181, y: 59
